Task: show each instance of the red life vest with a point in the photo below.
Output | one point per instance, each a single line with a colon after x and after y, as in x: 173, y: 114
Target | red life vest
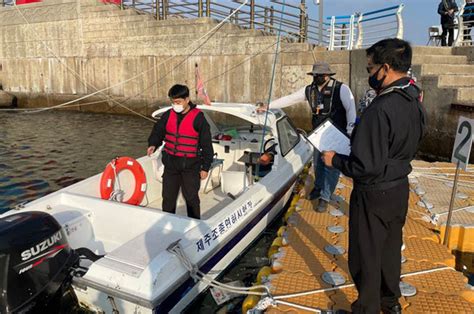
x: 182, y: 142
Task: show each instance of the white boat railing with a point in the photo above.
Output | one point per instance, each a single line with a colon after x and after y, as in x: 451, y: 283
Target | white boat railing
x: 361, y: 30
x: 464, y: 37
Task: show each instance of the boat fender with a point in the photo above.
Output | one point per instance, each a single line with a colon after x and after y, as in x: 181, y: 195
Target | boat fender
x: 295, y: 200
x: 264, y: 272
x: 272, y: 251
x: 277, y: 242
x: 250, y: 302
x: 277, y: 266
x: 288, y: 215
x: 281, y: 230
x: 107, y: 181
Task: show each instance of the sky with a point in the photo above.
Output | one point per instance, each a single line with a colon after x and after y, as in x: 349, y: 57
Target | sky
x: 418, y: 15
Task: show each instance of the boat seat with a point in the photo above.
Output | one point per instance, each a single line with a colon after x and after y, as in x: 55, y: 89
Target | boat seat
x: 133, y: 256
x: 216, y: 164
x: 234, y: 182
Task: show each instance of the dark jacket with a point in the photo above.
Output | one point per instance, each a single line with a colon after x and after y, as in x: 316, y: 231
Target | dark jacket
x: 468, y: 14
x: 330, y: 98
x: 443, y: 9
x: 206, y: 151
x: 386, y: 139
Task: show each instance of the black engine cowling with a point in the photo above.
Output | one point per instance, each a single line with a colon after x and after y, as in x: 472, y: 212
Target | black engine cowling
x: 35, y: 261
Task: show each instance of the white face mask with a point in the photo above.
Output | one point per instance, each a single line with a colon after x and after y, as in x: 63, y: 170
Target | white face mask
x: 177, y: 108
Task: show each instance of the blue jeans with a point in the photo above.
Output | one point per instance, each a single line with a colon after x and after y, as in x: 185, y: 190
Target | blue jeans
x: 326, y: 178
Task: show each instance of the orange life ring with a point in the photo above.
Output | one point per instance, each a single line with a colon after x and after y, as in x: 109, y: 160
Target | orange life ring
x: 107, y: 180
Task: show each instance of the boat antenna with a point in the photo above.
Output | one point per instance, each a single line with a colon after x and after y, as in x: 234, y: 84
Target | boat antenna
x: 257, y: 168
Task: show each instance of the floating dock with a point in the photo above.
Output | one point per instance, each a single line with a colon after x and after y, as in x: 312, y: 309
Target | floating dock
x: 309, y: 270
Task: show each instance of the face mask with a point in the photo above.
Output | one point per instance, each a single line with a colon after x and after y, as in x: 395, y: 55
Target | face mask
x: 319, y: 80
x: 177, y: 108
x: 374, y: 82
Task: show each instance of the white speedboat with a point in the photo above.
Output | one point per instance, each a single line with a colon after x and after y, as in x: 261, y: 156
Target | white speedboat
x: 130, y: 270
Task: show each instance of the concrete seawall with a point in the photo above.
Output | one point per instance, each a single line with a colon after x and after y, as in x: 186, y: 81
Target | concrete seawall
x: 60, y: 50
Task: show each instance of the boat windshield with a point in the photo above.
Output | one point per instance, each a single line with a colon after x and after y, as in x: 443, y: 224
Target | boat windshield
x: 287, y: 135
x: 226, y: 122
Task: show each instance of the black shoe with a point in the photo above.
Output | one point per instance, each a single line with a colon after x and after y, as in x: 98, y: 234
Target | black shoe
x: 314, y: 194
x: 322, y: 206
x: 394, y: 309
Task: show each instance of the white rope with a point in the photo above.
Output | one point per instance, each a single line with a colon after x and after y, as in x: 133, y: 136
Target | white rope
x: 301, y: 307
x: 117, y: 194
x: 300, y: 294
x: 47, y: 108
x: 219, y: 25
x: 434, y: 177
x: 197, y: 275
x: 421, y: 272
x: 437, y: 174
x: 454, y: 210
x: 439, y: 168
x: 70, y: 70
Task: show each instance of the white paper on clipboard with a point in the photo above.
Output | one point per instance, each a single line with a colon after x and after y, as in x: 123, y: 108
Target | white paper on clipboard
x: 329, y: 137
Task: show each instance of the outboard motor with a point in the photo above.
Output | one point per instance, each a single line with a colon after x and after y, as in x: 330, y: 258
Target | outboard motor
x: 35, y: 261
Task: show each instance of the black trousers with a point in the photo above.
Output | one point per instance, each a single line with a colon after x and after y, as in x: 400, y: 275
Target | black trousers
x: 467, y: 34
x: 447, y: 29
x: 184, y: 174
x: 376, y: 220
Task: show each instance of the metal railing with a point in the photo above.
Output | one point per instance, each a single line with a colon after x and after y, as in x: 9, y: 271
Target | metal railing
x: 294, y: 19
x: 361, y: 30
x: 465, y: 25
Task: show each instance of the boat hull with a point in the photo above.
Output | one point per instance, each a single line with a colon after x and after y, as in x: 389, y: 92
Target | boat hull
x: 187, y: 291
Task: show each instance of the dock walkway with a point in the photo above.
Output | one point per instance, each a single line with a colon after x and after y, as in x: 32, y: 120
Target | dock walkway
x: 310, y: 271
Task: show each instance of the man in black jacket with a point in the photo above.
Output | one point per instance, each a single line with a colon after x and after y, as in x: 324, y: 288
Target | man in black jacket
x: 468, y: 20
x: 187, y: 154
x: 383, y: 145
x: 446, y: 9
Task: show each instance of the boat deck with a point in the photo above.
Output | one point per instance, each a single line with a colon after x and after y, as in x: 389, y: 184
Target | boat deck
x: 316, y: 249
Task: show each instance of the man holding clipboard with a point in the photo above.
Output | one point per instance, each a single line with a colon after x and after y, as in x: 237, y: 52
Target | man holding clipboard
x: 327, y: 99
x: 382, y: 146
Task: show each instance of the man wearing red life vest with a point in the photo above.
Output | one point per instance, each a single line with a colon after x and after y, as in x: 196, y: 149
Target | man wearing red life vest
x: 187, y: 154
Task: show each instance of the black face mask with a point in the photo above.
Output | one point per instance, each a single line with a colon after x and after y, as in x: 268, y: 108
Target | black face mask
x: 374, y: 82
x: 319, y: 80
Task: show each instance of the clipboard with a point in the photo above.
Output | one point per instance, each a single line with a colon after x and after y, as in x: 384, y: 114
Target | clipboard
x: 327, y: 136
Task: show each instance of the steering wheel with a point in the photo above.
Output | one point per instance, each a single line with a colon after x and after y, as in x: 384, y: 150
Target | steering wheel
x: 267, y: 149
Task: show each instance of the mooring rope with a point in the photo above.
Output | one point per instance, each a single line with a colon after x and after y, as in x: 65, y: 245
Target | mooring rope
x: 211, y: 32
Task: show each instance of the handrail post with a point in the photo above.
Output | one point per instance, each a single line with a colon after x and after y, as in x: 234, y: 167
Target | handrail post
x: 343, y: 36
x: 265, y: 19
x: 332, y: 33
x: 400, y: 21
x: 200, y: 5
x: 302, y: 15
x: 306, y: 26
x: 321, y: 21
x: 164, y: 9
x: 121, y: 4
x: 236, y: 17
x: 252, y: 14
x: 158, y: 9
x: 272, y: 14
x: 360, y: 32
x: 208, y: 8
x: 460, y: 38
x: 350, y: 42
